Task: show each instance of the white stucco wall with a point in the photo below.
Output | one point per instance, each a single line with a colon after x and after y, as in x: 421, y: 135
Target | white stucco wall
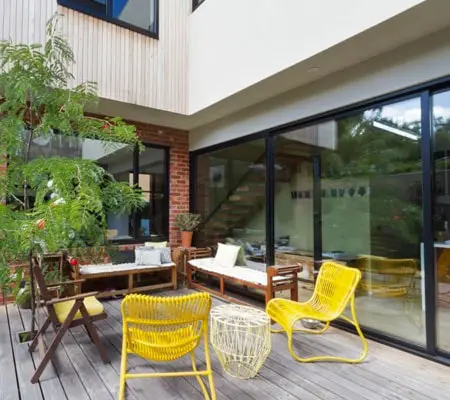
x: 250, y: 40
x: 418, y: 62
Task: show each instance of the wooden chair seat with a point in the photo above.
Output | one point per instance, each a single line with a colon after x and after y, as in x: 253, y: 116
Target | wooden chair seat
x: 93, y: 307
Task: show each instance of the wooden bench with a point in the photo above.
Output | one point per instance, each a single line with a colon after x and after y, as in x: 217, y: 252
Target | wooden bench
x: 83, y: 273
x: 275, y: 279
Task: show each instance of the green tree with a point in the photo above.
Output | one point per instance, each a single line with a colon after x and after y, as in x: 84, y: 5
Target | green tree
x: 50, y: 204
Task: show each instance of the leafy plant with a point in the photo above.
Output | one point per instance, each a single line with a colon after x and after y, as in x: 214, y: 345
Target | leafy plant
x: 187, y: 222
x: 9, y: 282
x: 54, y: 203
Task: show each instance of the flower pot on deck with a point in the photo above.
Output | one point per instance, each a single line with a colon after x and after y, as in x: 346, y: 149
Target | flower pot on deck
x: 186, y: 239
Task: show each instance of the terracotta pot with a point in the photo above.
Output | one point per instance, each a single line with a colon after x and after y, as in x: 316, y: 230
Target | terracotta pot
x: 186, y: 239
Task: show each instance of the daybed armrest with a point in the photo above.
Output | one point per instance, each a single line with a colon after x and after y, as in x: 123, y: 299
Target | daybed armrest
x: 203, y: 252
x: 76, y: 297
x: 286, y: 279
x: 282, y: 270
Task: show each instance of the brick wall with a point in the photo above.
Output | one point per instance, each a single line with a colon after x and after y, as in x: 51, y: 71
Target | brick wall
x: 178, y: 141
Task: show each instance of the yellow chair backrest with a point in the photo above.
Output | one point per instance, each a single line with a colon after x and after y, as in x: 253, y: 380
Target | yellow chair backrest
x: 164, y: 328
x: 334, y: 288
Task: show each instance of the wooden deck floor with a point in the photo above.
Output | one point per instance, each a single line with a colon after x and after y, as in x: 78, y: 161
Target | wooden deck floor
x: 78, y: 373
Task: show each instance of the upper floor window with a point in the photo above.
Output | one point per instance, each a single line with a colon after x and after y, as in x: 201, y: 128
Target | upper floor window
x: 136, y: 15
x: 196, y: 3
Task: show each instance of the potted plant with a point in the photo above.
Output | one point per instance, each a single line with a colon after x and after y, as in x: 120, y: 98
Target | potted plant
x: 187, y: 223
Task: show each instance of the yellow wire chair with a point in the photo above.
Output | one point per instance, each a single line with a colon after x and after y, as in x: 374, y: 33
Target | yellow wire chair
x: 165, y: 329
x: 334, y: 290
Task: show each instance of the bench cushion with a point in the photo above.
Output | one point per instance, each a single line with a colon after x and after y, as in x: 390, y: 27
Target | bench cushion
x: 93, y: 307
x: 242, y: 273
x: 92, y: 269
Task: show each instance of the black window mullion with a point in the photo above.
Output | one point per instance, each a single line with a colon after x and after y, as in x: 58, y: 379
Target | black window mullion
x: 135, y: 215
x: 428, y: 229
x: 109, y: 5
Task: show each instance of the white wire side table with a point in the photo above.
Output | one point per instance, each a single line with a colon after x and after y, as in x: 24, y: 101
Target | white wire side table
x: 240, y: 336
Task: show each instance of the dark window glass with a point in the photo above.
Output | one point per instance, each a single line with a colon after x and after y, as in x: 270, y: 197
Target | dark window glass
x: 139, y: 15
x: 118, y: 159
x: 152, y: 178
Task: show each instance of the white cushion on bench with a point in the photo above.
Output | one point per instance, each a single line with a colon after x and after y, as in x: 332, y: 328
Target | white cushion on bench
x: 242, y: 273
x: 91, y: 269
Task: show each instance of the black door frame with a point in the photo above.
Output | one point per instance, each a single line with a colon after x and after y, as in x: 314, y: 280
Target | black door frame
x: 425, y: 92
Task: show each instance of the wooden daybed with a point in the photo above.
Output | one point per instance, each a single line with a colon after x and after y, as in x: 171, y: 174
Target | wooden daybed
x: 275, y: 279
x: 98, y: 271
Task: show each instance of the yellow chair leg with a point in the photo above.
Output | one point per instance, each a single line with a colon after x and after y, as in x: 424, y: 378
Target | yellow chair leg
x: 354, y: 322
x: 123, y: 370
x: 212, y: 388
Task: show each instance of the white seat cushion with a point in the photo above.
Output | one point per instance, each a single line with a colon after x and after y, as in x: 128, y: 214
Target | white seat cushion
x: 242, y: 273
x: 92, y: 269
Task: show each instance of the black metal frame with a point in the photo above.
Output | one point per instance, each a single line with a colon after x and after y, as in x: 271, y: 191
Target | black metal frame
x: 424, y: 91
x: 106, y: 16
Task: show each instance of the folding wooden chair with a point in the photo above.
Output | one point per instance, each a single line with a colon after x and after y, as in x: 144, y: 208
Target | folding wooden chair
x: 65, y: 313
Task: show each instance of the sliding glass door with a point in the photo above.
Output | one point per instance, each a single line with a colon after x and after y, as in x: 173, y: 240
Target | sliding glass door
x: 370, y: 190
x: 441, y: 216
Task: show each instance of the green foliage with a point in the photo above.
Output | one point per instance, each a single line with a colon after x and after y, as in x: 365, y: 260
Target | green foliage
x: 54, y: 203
x: 187, y: 222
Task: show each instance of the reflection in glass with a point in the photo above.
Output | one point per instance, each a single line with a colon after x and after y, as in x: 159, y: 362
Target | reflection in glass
x: 441, y: 214
x: 152, y: 178
x: 140, y: 13
x: 230, y: 196
x: 367, y: 196
x: 372, y: 214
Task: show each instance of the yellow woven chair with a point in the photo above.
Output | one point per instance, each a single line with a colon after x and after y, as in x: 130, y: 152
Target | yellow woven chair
x: 166, y: 329
x: 335, y: 288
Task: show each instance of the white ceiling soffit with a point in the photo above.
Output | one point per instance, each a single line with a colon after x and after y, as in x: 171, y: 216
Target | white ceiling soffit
x: 387, y: 36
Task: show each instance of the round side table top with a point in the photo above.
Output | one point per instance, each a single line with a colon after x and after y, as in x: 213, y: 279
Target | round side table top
x: 237, y: 315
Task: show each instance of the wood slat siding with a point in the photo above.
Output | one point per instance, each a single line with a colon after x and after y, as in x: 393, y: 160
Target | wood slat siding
x: 128, y: 66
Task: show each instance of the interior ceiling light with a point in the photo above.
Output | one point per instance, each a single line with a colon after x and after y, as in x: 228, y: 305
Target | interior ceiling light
x: 313, y: 70
x: 400, y: 132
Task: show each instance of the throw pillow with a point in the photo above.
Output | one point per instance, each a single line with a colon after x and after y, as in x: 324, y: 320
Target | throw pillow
x: 156, y: 245
x: 165, y: 255
x: 241, y: 261
x: 226, y: 255
x: 138, y: 252
x: 149, y: 258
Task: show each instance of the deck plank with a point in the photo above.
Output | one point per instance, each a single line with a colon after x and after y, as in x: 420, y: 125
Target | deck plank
x: 24, y: 363
x: 91, y: 381
x: 9, y: 389
x: 78, y: 373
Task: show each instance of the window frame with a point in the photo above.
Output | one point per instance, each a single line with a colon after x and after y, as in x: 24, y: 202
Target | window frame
x: 75, y: 5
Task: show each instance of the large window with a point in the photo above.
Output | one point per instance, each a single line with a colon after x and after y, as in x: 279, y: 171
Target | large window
x: 139, y: 15
x: 147, y: 169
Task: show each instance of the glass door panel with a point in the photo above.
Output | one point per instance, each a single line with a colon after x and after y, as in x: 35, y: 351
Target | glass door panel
x: 371, y: 184
x: 441, y: 213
